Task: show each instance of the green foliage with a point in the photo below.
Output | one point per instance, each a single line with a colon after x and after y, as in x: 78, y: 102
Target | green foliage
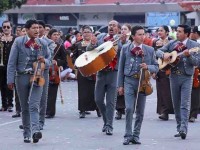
x: 8, y: 4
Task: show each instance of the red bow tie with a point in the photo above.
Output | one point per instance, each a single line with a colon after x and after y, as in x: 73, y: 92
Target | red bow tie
x: 180, y: 47
x: 137, y: 51
x: 109, y: 38
x: 32, y: 43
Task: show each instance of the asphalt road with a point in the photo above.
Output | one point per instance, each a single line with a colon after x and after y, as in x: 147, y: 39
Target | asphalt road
x: 67, y: 132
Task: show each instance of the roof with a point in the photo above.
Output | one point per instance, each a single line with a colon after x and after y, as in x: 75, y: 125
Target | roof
x: 85, y: 2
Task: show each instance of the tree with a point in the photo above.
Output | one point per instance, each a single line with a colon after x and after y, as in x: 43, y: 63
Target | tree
x: 8, y: 4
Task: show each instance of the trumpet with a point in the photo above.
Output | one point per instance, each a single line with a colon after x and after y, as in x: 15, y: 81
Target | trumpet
x: 1, y: 52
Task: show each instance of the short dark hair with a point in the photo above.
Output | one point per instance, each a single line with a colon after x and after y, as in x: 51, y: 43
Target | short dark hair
x: 19, y: 27
x: 51, y: 32
x: 68, y: 36
x: 6, y: 21
x: 186, y: 28
x: 76, y: 32
x: 165, y: 28
x: 70, y: 29
x: 196, y: 29
x: 87, y: 27
x: 41, y: 22
x: 48, y: 25
x: 135, y: 29
x: 29, y: 23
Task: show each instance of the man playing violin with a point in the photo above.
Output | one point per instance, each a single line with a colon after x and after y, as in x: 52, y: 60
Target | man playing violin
x: 181, y: 76
x: 107, y: 78
x: 133, y: 57
x: 25, y: 51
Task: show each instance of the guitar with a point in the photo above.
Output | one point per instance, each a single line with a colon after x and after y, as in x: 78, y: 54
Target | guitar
x: 93, y: 61
x: 174, y: 59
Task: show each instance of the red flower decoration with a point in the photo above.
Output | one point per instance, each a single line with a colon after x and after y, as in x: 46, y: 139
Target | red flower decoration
x: 180, y: 47
x: 109, y: 38
x: 32, y: 43
x: 137, y: 51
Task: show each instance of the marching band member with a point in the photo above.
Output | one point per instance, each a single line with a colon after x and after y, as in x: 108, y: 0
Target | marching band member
x: 134, y: 55
x: 51, y: 45
x: 5, y: 46
x: 59, y: 59
x: 120, y: 104
x: 195, y: 98
x: 164, y: 100
x: 86, y: 99
x: 25, y: 51
x: 181, y: 76
x: 106, y: 83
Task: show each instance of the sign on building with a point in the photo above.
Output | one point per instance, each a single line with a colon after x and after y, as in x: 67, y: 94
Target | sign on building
x: 162, y: 18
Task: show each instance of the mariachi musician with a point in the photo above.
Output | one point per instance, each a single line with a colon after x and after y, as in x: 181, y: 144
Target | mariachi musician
x: 59, y: 61
x: 164, y: 100
x: 86, y: 99
x: 106, y: 83
x: 5, y: 46
x: 181, y: 75
x: 134, y: 57
x: 195, y: 98
x: 27, y: 54
x: 120, y: 103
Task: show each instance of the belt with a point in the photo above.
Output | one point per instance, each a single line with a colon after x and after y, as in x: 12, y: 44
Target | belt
x: 136, y: 76
x: 26, y: 72
x: 178, y: 72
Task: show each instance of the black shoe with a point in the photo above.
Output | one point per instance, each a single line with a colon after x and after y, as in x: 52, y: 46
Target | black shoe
x: 82, y: 115
x: 177, y: 135
x: 87, y: 112
x: 16, y: 115
x: 3, y: 109
x: 27, y: 140
x: 192, y: 119
x: 183, y: 135
x: 118, y: 115
x: 109, y: 131
x: 21, y: 127
x: 10, y: 109
x: 127, y: 141
x: 104, y: 128
x: 36, y: 137
x: 49, y: 116
x: 164, y: 117
x: 41, y: 127
x: 98, y: 113
x: 134, y: 141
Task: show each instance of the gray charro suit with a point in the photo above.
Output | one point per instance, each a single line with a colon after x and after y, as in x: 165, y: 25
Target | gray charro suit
x: 43, y: 104
x: 21, y: 59
x: 106, y: 84
x: 128, y: 67
x: 181, y: 82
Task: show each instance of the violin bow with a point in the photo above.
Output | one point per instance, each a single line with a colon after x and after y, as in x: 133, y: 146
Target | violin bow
x: 137, y: 94
x: 61, y: 96
x: 34, y: 75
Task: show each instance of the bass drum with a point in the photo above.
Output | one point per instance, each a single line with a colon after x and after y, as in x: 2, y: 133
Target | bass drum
x: 93, y: 61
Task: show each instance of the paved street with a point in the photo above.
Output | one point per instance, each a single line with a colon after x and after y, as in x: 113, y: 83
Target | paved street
x: 67, y: 132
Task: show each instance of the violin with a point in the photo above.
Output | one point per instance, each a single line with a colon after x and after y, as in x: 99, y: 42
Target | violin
x: 38, y: 78
x: 54, y: 74
x: 195, y: 78
x: 145, y: 85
